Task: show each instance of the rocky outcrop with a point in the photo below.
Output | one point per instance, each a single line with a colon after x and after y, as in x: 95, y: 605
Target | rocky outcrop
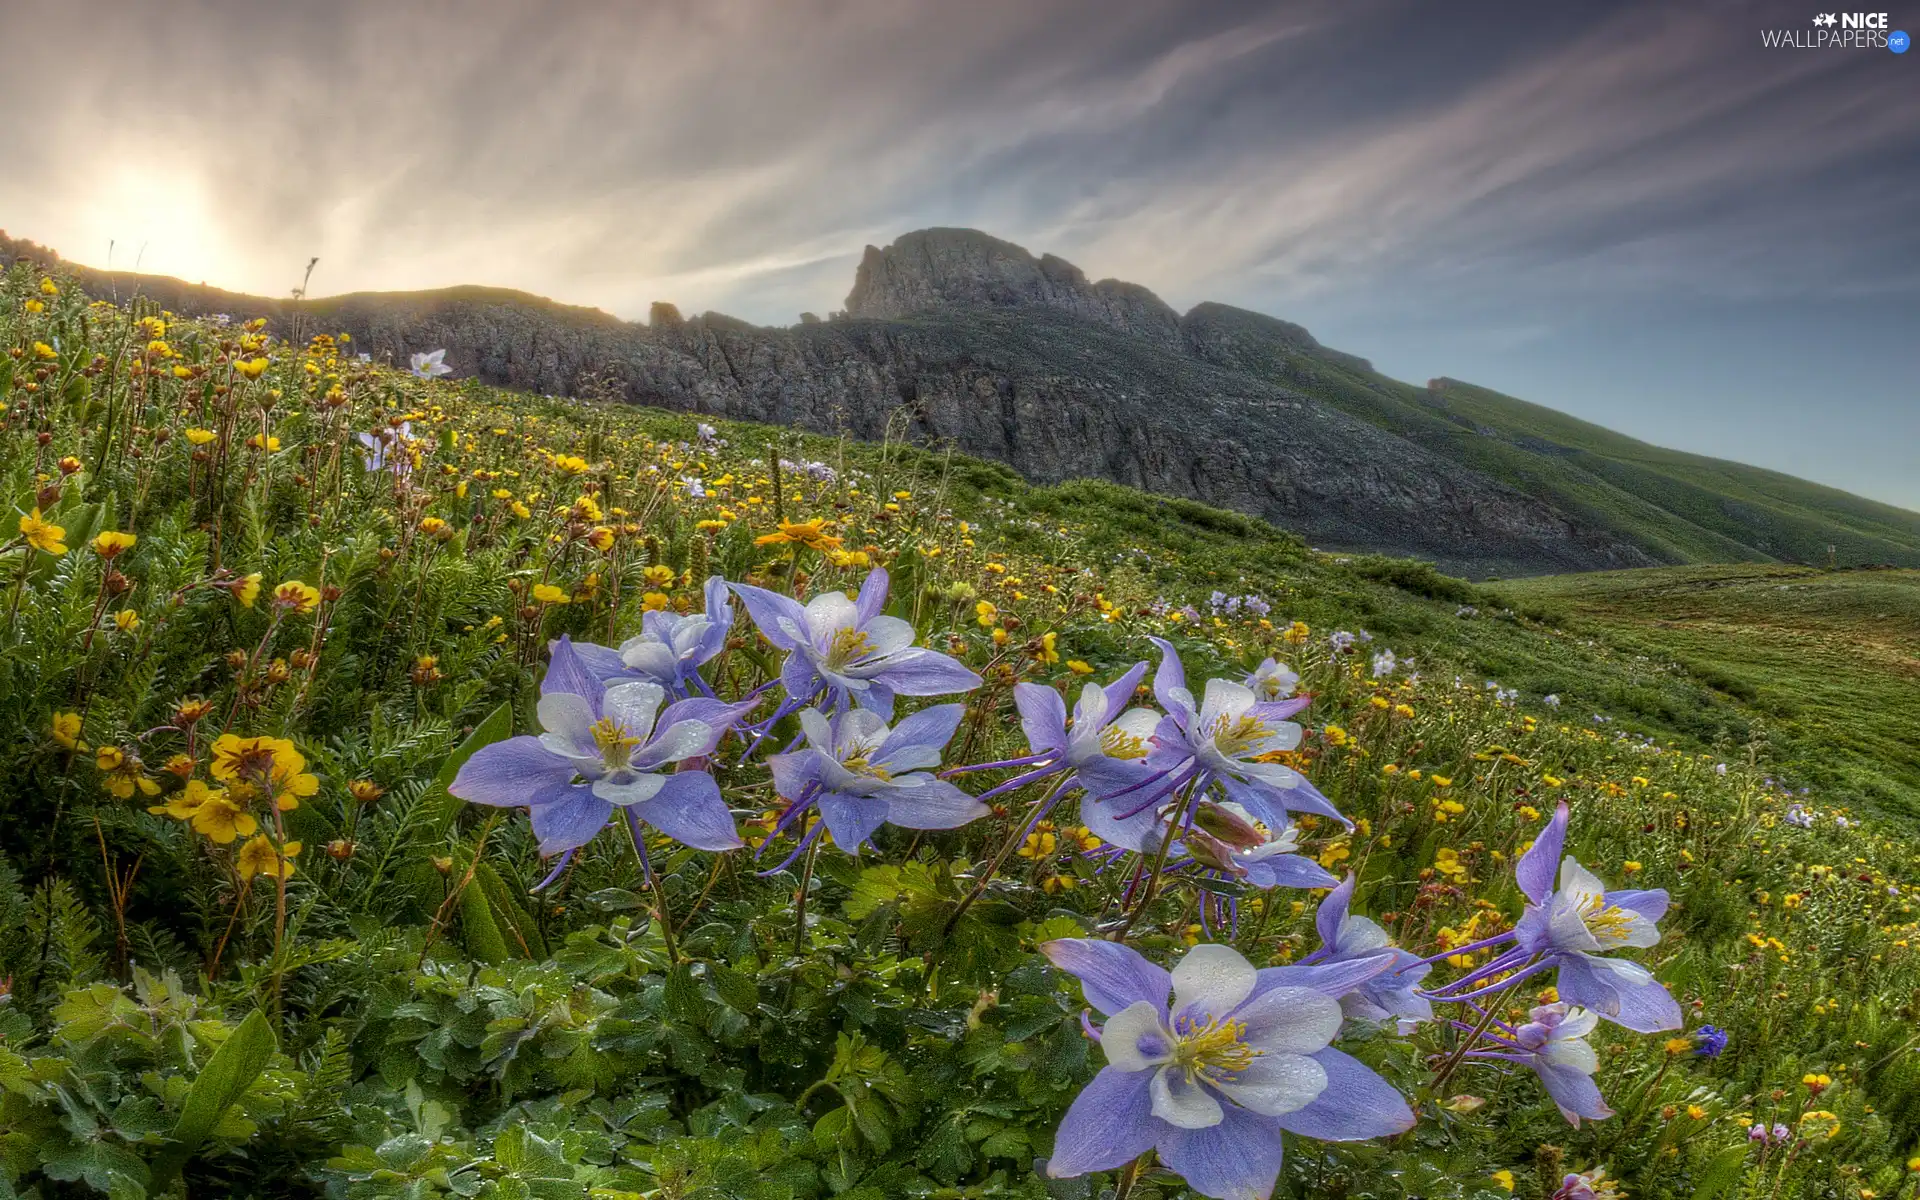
x: 935, y: 269
x: 973, y: 342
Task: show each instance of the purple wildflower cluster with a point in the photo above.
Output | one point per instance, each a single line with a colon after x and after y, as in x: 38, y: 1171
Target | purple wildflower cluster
x: 608, y: 743
x: 1206, y: 1064
x: 1222, y: 605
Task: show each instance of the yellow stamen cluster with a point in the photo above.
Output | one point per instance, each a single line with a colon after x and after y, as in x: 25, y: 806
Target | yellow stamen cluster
x: 1235, y: 736
x: 1604, y: 921
x: 1211, y: 1051
x: 848, y: 646
x: 614, y: 742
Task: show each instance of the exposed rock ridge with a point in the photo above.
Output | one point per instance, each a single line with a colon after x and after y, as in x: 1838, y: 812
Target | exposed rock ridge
x: 933, y: 269
x: 1008, y: 357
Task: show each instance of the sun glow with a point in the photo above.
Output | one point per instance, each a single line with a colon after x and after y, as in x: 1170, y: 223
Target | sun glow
x: 156, y: 216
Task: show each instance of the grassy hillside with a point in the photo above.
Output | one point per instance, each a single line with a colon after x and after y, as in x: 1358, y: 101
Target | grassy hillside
x: 1676, y: 506
x: 1076, y: 392
x: 253, y: 945
x: 1826, y: 662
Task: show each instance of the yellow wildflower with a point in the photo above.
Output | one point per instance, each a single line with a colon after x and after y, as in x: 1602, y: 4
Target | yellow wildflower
x: 218, y: 816
x: 66, y: 730
x: 111, y: 544
x: 274, y: 762
x: 296, y: 597
x: 811, y: 534
x: 124, y: 773
x: 43, y: 536
x: 1039, y: 845
x: 258, y: 857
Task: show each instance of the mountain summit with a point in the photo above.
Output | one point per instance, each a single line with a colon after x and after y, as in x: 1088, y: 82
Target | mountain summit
x: 953, y: 336
x: 963, y: 268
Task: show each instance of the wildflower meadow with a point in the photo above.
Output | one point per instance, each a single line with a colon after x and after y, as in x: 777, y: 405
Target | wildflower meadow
x: 412, y: 789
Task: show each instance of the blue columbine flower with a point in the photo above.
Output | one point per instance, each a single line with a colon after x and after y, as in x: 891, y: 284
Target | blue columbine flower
x: 605, y: 748
x: 1587, y: 1185
x: 1572, y: 925
x: 1709, y: 1042
x: 1211, y: 1079
x: 1273, y: 680
x: 1217, y: 742
x: 1101, y: 723
x: 671, y: 647
x: 1552, y: 1043
x: 1221, y: 837
x: 845, y: 652
x: 387, y: 449
x: 861, y: 775
x: 1101, y: 726
x: 1232, y: 841
x: 1345, y: 936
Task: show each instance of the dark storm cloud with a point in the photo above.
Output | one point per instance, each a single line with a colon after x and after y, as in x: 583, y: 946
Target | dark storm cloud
x: 1486, y: 177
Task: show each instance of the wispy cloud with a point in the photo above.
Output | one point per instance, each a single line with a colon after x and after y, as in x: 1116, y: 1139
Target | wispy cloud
x: 1502, y: 176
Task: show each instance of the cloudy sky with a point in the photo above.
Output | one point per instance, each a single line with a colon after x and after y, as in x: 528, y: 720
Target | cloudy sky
x: 1630, y: 211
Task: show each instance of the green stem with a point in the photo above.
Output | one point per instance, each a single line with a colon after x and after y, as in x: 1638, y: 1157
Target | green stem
x: 800, y: 901
x: 662, y: 915
x: 1153, y: 883
x: 1019, y: 834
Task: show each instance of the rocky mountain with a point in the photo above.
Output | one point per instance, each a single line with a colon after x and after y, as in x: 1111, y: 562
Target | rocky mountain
x: 952, y: 336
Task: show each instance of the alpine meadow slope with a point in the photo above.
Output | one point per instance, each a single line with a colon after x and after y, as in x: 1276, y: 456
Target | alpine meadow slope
x: 417, y: 790
x: 950, y: 336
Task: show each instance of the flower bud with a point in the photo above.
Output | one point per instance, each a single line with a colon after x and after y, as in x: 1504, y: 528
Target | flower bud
x: 1227, y: 826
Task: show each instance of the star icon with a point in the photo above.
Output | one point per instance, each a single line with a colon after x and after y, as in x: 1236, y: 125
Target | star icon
x: 1827, y: 19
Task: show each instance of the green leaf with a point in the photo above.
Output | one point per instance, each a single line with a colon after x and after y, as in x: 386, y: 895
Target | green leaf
x: 1726, y: 1169
x: 736, y: 989
x: 104, y: 1166
x: 226, y: 1077
x: 438, y: 806
x: 683, y: 999
x: 516, y: 924
x: 482, y: 932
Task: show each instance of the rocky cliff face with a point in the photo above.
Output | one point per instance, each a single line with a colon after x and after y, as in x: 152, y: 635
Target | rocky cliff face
x: 935, y: 269
x: 973, y: 341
